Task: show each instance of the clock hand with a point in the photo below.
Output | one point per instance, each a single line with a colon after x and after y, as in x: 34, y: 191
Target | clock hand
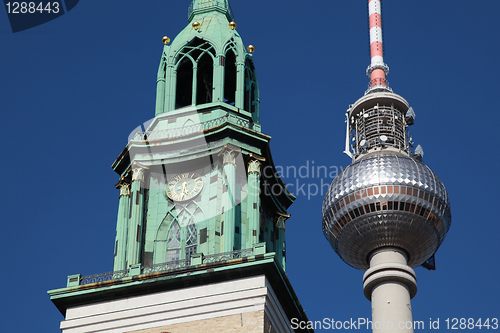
x: 184, y: 188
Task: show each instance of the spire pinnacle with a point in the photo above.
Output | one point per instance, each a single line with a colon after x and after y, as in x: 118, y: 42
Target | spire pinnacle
x: 204, y: 6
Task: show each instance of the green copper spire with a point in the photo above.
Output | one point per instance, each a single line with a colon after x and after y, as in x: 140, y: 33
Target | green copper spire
x: 207, y: 63
x: 201, y: 203
x: 205, y: 6
x: 193, y: 184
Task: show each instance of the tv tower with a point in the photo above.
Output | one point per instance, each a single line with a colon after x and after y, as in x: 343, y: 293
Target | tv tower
x: 387, y: 212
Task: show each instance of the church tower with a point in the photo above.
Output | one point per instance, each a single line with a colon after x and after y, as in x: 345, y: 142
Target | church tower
x: 200, y: 233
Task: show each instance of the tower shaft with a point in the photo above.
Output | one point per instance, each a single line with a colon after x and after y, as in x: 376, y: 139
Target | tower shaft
x: 390, y: 284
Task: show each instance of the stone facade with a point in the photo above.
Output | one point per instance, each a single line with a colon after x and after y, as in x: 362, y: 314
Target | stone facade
x: 241, y: 305
x: 250, y: 322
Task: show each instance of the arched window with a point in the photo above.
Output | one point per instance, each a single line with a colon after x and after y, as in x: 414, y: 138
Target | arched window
x: 204, y: 88
x: 195, y: 71
x: 191, y: 238
x: 189, y: 235
x: 230, y: 78
x: 183, y: 95
x: 182, y: 240
x: 177, y: 235
x: 174, y: 242
x: 250, y: 87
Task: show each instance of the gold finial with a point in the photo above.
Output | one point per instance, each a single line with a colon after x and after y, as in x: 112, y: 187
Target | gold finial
x: 251, y: 48
x: 196, y: 25
x: 165, y: 40
x: 232, y: 25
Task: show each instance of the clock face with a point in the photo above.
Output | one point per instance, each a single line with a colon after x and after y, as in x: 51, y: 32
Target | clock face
x: 184, y: 186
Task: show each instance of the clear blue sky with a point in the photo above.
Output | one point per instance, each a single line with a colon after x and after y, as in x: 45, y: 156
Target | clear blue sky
x: 74, y: 88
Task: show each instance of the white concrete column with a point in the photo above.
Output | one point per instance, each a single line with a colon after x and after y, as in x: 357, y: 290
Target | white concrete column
x: 389, y: 284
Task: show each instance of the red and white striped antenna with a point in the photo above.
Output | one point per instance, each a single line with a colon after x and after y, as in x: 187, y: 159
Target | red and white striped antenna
x: 378, y: 70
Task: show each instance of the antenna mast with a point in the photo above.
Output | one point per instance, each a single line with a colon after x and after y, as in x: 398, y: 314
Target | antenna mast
x: 378, y: 70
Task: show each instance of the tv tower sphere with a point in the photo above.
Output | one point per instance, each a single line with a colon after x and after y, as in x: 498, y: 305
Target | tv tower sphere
x: 386, y: 197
